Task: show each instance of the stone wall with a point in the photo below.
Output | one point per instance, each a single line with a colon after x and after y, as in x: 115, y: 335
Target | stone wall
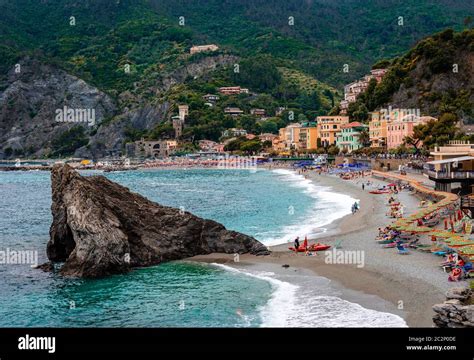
x: 457, y: 311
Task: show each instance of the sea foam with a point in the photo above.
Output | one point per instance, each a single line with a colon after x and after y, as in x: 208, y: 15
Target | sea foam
x: 328, y: 207
x: 292, y: 305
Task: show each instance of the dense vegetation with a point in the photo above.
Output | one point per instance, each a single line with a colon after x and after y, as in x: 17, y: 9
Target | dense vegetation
x: 290, y: 53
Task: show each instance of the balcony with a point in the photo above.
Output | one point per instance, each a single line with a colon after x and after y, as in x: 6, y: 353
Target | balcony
x: 443, y: 175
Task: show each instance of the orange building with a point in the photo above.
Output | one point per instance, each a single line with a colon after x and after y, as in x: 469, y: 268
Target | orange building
x: 329, y: 127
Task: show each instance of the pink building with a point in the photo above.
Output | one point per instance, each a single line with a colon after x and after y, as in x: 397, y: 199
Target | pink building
x: 401, y: 127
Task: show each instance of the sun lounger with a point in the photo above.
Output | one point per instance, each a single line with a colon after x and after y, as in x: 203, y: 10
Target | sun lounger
x: 402, y: 250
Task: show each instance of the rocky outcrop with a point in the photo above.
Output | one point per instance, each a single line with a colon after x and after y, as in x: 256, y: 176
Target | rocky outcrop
x: 101, y: 228
x: 457, y: 311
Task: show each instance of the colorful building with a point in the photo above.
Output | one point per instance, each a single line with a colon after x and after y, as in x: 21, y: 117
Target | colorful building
x: 298, y: 137
x: 378, y: 130
x: 400, y: 126
x: 308, y: 138
x: 354, y: 89
x: 348, y: 139
x: 329, y: 127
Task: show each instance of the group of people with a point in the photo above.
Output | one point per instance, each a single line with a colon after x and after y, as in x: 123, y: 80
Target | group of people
x: 396, y: 208
x: 459, y: 268
x: 387, y: 233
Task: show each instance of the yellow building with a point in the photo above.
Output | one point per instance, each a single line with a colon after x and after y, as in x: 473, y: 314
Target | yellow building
x: 378, y: 125
x: 308, y: 138
x: 329, y: 127
x: 298, y: 137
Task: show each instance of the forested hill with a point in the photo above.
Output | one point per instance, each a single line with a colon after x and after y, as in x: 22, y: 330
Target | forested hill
x: 132, y: 58
x: 316, y: 36
x: 435, y: 76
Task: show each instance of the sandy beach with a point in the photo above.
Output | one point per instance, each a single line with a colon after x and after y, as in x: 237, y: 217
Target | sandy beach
x: 407, y: 286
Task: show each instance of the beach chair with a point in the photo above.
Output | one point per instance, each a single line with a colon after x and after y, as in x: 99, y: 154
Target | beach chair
x: 402, y: 250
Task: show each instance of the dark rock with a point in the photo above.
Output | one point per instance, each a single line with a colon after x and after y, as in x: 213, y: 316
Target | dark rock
x: 286, y: 266
x: 46, y: 267
x: 101, y: 228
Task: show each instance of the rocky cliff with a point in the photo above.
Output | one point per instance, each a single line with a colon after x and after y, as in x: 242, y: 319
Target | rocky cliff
x: 34, y: 91
x: 101, y: 228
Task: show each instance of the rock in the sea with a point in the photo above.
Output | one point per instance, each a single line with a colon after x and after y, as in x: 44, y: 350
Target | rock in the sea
x: 101, y: 228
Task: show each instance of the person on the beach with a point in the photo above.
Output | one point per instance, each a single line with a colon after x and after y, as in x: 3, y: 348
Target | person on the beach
x: 363, y: 186
x: 297, y: 243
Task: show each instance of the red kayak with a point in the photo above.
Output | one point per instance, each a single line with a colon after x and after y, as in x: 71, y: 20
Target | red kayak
x: 379, y: 192
x: 313, y: 247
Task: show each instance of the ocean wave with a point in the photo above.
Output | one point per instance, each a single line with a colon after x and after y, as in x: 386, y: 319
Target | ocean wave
x: 328, y: 207
x: 293, y: 306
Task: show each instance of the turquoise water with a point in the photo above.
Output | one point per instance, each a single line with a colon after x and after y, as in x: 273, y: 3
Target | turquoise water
x: 175, y: 294
x: 273, y: 206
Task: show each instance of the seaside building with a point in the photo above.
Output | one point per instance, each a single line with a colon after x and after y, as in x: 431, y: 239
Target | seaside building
x: 453, y: 167
x: 233, y: 90
x: 308, y: 138
x: 401, y: 124
x: 298, y: 137
x: 329, y: 127
x: 290, y: 136
x: 159, y: 148
x: 354, y: 89
x: 378, y: 125
x: 233, y: 111
x: 203, y: 48
x: 349, y: 138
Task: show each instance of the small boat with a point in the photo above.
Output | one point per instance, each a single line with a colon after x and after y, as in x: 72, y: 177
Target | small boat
x: 379, y: 192
x: 313, y: 247
x: 318, y: 247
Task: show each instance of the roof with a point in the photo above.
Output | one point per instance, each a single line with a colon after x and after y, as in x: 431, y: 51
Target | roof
x: 352, y: 124
x: 446, y: 161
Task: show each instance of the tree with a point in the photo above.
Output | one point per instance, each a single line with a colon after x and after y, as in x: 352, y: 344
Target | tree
x: 333, y: 150
x: 364, y: 137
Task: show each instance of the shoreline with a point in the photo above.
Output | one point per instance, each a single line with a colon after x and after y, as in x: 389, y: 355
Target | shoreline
x: 410, y: 285
x: 407, y: 286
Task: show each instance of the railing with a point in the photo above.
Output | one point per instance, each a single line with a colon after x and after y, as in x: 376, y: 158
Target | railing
x: 450, y: 175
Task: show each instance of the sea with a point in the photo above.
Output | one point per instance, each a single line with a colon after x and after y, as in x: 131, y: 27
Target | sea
x: 274, y: 206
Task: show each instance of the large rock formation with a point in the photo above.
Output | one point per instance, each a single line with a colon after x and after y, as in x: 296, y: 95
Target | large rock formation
x: 101, y: 228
